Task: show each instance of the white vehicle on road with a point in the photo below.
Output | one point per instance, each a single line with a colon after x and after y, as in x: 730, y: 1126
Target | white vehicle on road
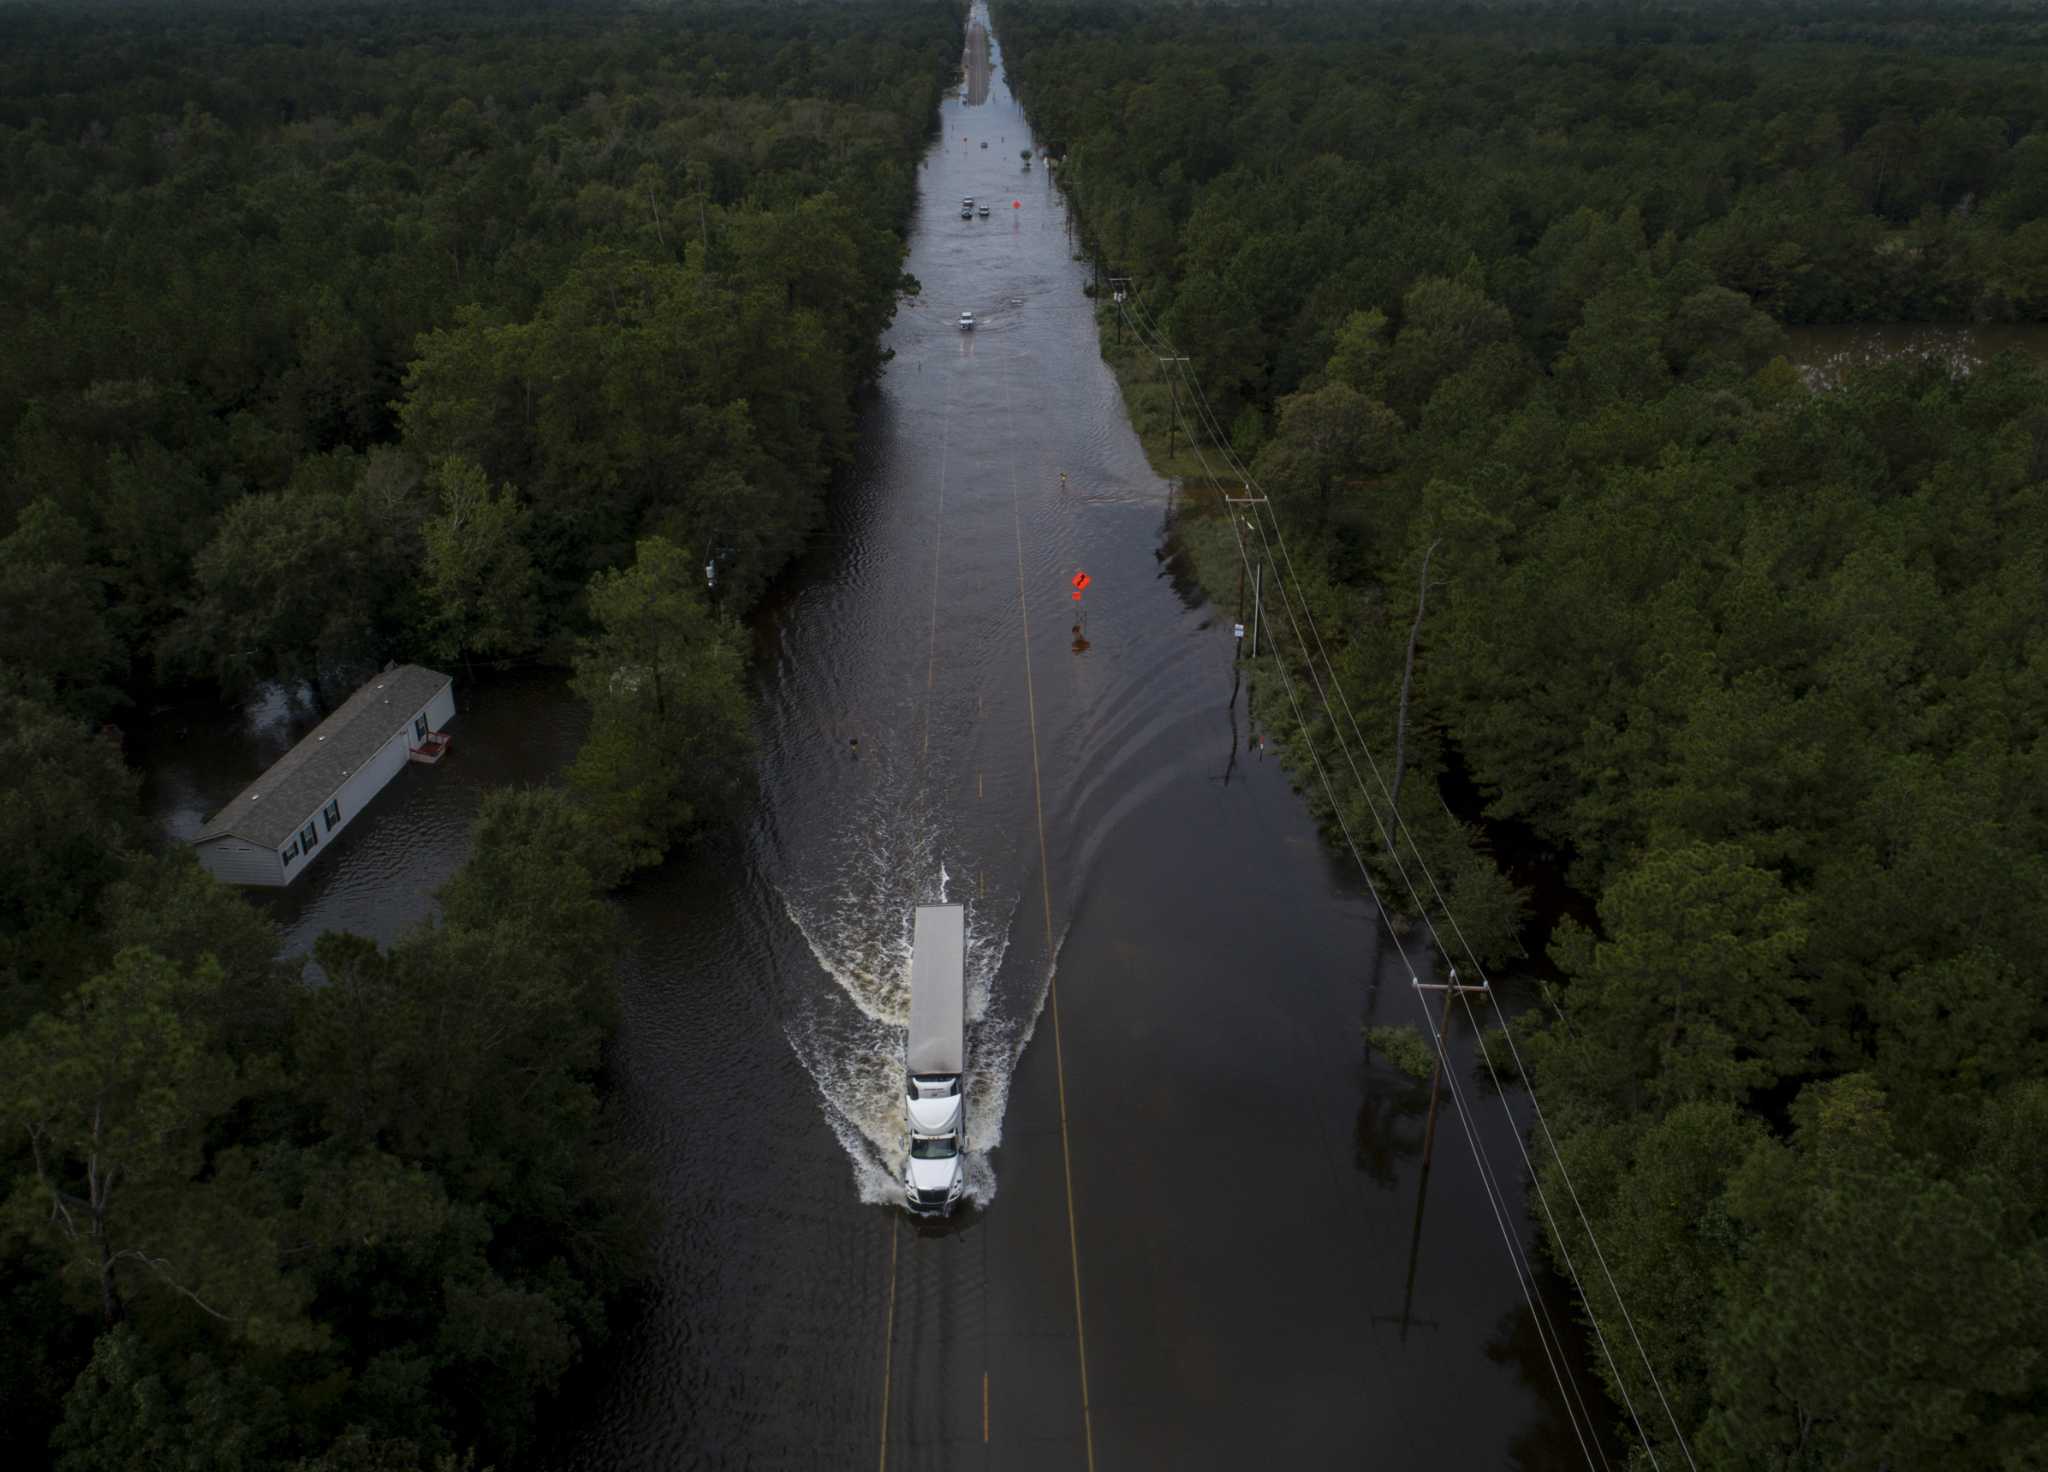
x: 935, y: 1062
x: 967, y: 321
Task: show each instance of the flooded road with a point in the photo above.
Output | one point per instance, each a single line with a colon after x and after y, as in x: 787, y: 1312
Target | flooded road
x: 977, y: 64
x: 1195, y: 1237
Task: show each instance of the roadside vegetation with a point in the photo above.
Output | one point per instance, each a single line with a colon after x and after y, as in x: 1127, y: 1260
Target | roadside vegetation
x: 1761, y: 669
x: 340, y: 333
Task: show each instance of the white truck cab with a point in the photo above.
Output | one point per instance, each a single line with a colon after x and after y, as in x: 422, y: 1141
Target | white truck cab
x: 935, y: 1062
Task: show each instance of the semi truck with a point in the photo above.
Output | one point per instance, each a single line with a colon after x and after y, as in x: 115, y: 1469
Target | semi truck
x: 935, y: 1062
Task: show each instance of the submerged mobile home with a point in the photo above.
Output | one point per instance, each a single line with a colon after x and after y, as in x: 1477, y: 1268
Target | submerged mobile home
x: 272, y: 830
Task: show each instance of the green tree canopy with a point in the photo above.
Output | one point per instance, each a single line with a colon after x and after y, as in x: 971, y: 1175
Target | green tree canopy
x: 670, y: 740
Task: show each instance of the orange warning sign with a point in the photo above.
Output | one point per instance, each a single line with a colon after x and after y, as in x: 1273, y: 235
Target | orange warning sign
x: 1081, y: 580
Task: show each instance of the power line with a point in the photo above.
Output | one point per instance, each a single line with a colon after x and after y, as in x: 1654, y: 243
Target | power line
x: 1211, y: 421
x: 1536, y: 1179
x: 1517, y: 1257
x: 1213, y: 424
x: 1506, y: 1032
x: 1393, y: 853
x: 1401, y: 825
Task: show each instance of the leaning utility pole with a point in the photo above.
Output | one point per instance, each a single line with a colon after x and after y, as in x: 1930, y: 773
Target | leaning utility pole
x: 1258, y: 597
x: 1450, y: 989
x: 1258, y: 572
x: 1173, y: 385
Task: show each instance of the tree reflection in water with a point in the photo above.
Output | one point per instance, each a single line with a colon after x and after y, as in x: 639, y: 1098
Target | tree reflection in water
x: 1390, y: 1121
x: 1548, y: 1443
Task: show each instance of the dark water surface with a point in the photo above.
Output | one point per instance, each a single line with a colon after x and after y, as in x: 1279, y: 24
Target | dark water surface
x: 1238, y: 1200
x: 379, y: 877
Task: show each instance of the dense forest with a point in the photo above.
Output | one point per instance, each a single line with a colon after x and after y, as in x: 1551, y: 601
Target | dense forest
x: 1490, y: 300
x: 341, y: 333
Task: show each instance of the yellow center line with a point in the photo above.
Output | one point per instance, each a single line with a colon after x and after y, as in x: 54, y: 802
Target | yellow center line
x: 931, y: 660
x: 1052, y: 978
x: 888, y: 1342
x: 984, y: 1408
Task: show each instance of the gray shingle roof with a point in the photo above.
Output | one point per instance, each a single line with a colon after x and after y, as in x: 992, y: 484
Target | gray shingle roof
x: 269, y: 809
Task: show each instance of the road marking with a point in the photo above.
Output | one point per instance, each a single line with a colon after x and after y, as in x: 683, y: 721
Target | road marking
x: 931, y: 659
x: 1052, y: 985
x: 984, y: 1408
x: 977, y: 784
x: 888, y: 1340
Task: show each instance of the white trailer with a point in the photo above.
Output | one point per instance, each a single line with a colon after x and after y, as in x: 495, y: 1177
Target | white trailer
x: 935, y: 1061
x: 270, y: 833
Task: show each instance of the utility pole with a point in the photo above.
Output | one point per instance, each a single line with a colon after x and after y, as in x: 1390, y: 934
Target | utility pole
x: 1450, y: 989
x: 1119, y: 288
x: 1259, y: 573
x: 1173, y: 386
x: 1258, y: 594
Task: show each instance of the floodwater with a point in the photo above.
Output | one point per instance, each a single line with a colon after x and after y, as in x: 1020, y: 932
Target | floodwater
x: 1194, y: 1201
x: 1824, y: 354
x: 378, y: 879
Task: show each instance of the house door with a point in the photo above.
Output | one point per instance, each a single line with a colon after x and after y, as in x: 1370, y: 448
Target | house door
x: 419, y: 726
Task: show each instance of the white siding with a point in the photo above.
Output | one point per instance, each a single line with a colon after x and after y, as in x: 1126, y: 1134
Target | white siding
x: 366, y: 781
x: 362, y: 786
x: 441, y: 709
x: 237, y: 861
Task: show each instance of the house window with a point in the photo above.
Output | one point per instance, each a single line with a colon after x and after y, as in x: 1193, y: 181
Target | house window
x: 333, y: 815
x: 419, y: 726
x: 308, y: 836
x: 291, y: 852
